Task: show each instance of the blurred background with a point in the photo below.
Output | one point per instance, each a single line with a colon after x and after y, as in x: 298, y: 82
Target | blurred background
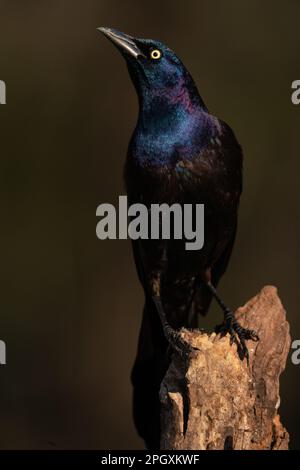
x: 71, y: 304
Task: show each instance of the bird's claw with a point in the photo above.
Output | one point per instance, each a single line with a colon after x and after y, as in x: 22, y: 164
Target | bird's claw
x: 178, y: 344
x: 238, y: 335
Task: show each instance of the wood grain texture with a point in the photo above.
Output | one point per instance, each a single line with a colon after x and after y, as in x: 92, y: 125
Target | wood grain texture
x: 214, y: 401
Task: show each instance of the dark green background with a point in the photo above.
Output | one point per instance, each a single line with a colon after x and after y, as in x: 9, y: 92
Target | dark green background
x: 71, y: 304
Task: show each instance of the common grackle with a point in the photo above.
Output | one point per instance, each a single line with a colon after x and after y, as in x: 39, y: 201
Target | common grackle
x: 178, y: 153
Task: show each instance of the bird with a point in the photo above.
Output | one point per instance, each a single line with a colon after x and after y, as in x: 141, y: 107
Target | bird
x: 178, y: 153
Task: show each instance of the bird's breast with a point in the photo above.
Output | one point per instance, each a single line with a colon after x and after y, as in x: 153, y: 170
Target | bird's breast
x: 199, y: 168
x: 161, y: 140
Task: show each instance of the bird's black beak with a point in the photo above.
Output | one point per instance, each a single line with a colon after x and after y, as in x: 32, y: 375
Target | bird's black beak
x: 125, y: 43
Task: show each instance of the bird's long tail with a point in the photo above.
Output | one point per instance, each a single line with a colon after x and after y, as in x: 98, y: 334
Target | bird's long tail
x: 148, y: 371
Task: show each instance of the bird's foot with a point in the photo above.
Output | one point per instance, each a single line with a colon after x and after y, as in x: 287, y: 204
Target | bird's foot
x: 178, y: 344
x: 237, y: 333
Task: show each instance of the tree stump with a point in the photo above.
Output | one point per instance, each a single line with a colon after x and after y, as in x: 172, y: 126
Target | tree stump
x: 214, y: 401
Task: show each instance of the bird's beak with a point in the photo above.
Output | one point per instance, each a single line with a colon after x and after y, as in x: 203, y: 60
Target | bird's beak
x: 124, y: 42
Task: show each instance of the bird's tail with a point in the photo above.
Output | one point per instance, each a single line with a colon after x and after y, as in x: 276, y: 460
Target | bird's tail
x: 148, y: 371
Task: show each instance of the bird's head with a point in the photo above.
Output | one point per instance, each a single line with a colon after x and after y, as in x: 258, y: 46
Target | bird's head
x: 157, y: 73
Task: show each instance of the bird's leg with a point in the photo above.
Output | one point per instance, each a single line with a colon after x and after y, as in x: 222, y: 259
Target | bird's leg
x: 153, y: 281
x: 232, y: 326
x: 173, y: 336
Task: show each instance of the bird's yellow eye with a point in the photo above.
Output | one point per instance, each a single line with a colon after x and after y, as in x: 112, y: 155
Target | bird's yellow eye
x: 155, y: 54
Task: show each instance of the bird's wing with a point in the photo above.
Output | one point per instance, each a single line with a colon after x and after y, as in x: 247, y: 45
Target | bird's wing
x: 203, y: 296
x: 205, y: 176
x: 218, y: 166
x: 220, y: 266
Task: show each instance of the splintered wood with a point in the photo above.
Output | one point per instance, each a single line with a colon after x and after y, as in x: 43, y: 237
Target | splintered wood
x: 214, y: 401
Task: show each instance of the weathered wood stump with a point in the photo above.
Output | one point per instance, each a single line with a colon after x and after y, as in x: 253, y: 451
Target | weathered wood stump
x: 214, y: 401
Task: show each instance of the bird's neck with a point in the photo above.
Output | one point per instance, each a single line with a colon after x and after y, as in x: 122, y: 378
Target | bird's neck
x: 162, y: 137
x: 169, y: 105
x: 171, y: 124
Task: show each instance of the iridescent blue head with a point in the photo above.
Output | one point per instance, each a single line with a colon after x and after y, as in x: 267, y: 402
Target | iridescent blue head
x: 170, y: 105
x: 156, y: 71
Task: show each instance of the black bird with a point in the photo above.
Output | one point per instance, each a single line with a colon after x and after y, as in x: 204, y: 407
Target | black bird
x: 178, y: 153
